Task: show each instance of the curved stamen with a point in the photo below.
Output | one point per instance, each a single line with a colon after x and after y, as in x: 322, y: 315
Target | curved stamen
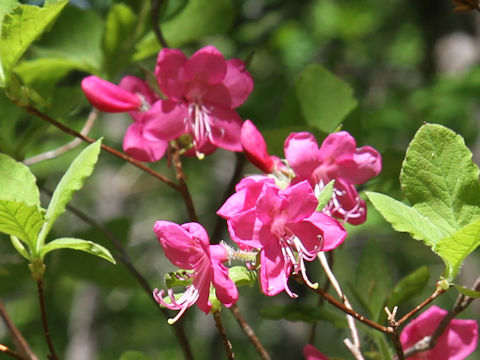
x: 188, y: 298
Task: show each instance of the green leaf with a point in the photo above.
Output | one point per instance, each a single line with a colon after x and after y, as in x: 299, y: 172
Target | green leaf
x: 440, y: 180
x: 76, y: 36
x: 80, y: 169
x: 134, y: 355
x: 17, y: 183
x: 241, y: 276
x: 404, y: 218
x: 193, y: 22
x: 5, y: 7
x: 468, y: 292
x: 18, y: 245
x: 21, y: 220
x: 408, y: 286
x: 454, y: 249
x: 373, y: 278
x: 118, y: 42
x: 319, y: 99
x: 21, y: 27
x: 77, y: 244
x: 325, y: 196
x: 305, y: 313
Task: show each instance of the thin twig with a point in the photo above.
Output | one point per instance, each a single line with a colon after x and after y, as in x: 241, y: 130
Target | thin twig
x: 32, y: 110
x: 248, y: 331
x: 183, y: 188
x: 392, y: 322
x: 429, y: 342
x: 355, y: 346
x: 4, y: 349
x: 123, y: 256
x: 236, y: 175
x: 342, y: 307
x: 326, y: 287
x: 53, y: 355
x: 223, y: 334
x: 438, y: 291
x: 68, y: 146
x: 155, y: 7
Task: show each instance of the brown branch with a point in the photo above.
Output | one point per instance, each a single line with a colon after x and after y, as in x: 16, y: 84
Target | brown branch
x: 18, y: 340
x: 12, y: 353
x: 342, y: 307
x: 124, y: 258
x: 183, y: 188
x: 68, y: 146
x: 32, y: 110
x: 438, y: 291
x: 155, y: 7
x: 429, y: 342
x: 53, y: 355
x: 248, y: 331
x: 223, y: 334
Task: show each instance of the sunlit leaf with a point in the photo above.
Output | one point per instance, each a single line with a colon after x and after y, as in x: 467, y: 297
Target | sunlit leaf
x: 21, y: 220
x: 404, y: 218
x: 21, y: 27
x: 241, y: 276
x: 440, y: 180
x: 77, y: 244
x: 325, y: 195
x: 80, y: 169
x: 468, y: 292
x: 17, y: 183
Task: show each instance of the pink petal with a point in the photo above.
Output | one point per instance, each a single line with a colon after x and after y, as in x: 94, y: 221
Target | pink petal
x: 350, y: 202
x: 141, y: 148
x: 165, y: 120
x: 302, y: 154
x: 331, y: 231
x: 225, y: 288
x: 273, y: 275
x: 139, y: 87
x: 180, y: 248
x: 238, y: 81
x: 300, y: 201
x: 203, y: 279
x: 457, y: 342
x: 207, y: 66
x: 108, y: 97
x: 337, y: 147
x: 225, y: 128
x: 366, y: 164
x: 255, y: 148
x: 244, y: 229
x: 199, y: 233
x: 310, y: 352
x: 169, y: 71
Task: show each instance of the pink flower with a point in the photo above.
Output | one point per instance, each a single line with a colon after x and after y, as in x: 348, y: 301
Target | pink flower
x: 457, y: 342
x: 283, y: 225
x: 337, y: 159
x: 136, y: 97
x: 187, y: 247
x: 204, y: 90
x: 310, y: 352
x: 255, y: 149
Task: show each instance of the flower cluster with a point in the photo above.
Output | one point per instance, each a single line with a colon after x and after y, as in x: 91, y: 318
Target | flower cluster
x: 187, y: 246
x: 198, y: 99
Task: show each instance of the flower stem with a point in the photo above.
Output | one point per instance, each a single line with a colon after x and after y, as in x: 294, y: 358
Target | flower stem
x: 183, y: 188
x: 342, y: 307
x: 248, y: 331
x: 53, y: 355
x: 438, y: 291
x: 34, y: 111
x: 12, y: 353
x: 155, y: 7
x: 223, y: 334
x: 18, y: 340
